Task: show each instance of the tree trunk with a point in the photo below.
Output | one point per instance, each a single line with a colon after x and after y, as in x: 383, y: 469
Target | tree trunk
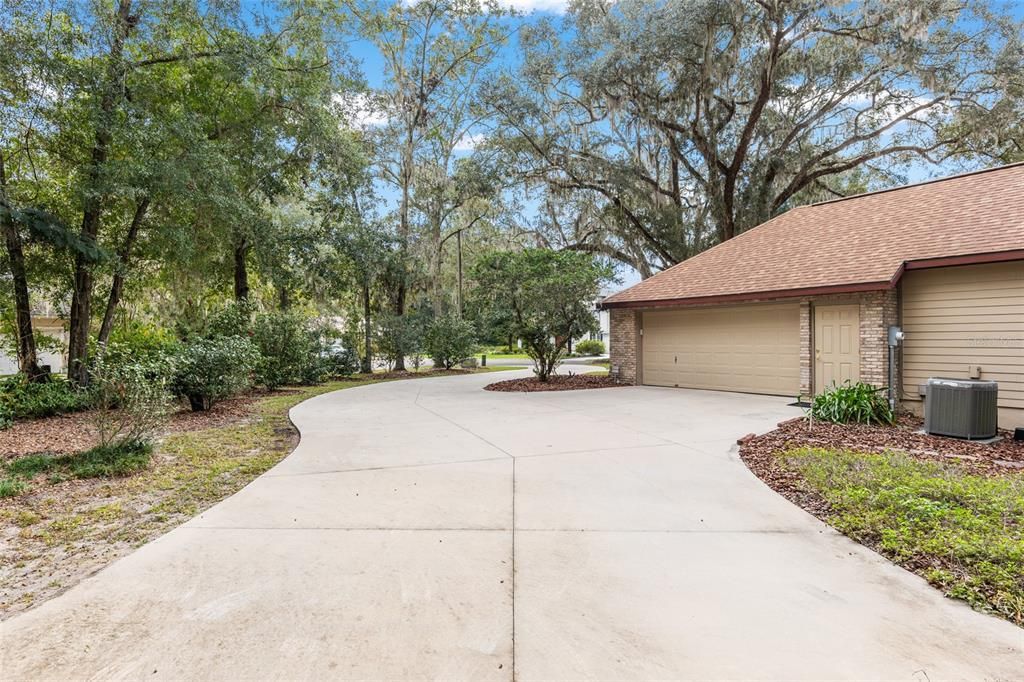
x: 284, y: 301
x: 436, y: 296
x: 367, y: 364
x: 117, y: 286
x: 28, y: 361
x: 403, y: 230
x: 92, y: 210
x: 241, y: 271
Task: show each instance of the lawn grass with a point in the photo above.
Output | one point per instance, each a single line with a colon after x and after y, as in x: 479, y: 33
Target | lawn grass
x: 963, y: 532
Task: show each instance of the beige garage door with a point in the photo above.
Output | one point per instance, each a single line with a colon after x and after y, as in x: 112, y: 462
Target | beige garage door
x: 748, y: 348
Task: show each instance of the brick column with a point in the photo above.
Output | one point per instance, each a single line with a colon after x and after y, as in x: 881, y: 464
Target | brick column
x: 806, y: 350
x: 624, y: 344
x: 878, y: 310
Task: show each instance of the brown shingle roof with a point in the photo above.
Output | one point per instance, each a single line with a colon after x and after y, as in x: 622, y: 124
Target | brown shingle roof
x: 856, y: 243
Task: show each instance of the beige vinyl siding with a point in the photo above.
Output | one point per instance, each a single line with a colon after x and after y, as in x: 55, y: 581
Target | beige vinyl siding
x: 962, y: 316
x: 747, y: 348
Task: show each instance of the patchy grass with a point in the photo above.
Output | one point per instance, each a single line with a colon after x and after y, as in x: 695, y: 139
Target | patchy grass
x: 99, y: 462
x: 963, y: 532
x: 12, y: 487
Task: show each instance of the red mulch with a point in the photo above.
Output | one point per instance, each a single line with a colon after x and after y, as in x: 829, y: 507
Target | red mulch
x: 760, y: 453
x: 60, y: 435
x: 556, y: 382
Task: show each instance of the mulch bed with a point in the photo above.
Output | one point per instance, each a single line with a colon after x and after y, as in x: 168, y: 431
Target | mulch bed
x: 760, y: 453
x: 556, y: 382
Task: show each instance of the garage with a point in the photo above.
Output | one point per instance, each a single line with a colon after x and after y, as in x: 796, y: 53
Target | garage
x: 746, y: 348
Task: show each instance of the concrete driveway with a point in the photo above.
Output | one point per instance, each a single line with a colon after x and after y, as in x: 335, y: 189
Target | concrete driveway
x: 429, y: 529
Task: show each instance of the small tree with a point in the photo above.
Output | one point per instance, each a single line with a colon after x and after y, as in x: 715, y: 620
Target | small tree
x: 130, y: 396
x: 449, y: 341
x: 550, y: 296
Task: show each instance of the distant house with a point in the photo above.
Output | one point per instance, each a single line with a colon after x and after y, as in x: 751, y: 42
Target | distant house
x: 44, y: 321
x: 603, y: 320
x: 806, y: 299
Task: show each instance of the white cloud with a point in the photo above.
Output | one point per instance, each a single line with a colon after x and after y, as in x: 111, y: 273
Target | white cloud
x: 361, y: 110
x: 469, y: 142
x: 537, y: 5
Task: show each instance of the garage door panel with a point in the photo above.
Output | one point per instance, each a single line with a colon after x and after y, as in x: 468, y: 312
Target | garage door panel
x: 753, y: 348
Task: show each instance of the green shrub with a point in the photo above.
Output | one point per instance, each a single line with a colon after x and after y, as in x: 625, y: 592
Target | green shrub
x: 590, y: 347
x: 20, y: 399
x: 139, y: 343
x: 209, y: 370
x: 289, y: 350
x: 234, y: 319
x: 130, y: 398
x: 449, y: 340
x: 853, y: 403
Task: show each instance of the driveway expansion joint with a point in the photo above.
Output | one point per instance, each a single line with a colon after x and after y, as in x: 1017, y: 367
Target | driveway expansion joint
x: 539, y: 586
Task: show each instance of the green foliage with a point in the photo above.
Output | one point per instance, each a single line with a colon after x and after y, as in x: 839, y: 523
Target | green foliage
x: 549, y: 295
x: 590, y: 347
x: 859, y: 403
x: 289, y: 350
x: 963, y: 532
x: 233, y: 319
x: 399, y: 336
x: 43, y: 226
x: 103, y: 461
x: 137, y: 342
x: 209, y: 370
x: 20, y: 399
x: 449, y: 340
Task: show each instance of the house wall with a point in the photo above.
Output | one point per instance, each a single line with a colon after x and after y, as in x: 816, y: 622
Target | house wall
x: 964, y: 322
x: 958, y: 321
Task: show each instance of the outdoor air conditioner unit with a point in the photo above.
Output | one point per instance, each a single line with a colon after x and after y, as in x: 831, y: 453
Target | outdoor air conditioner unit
x: 962, y: 408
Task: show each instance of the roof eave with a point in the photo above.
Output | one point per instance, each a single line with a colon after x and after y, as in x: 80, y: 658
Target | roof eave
x: 919, y: 264
x: 751, y: 296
